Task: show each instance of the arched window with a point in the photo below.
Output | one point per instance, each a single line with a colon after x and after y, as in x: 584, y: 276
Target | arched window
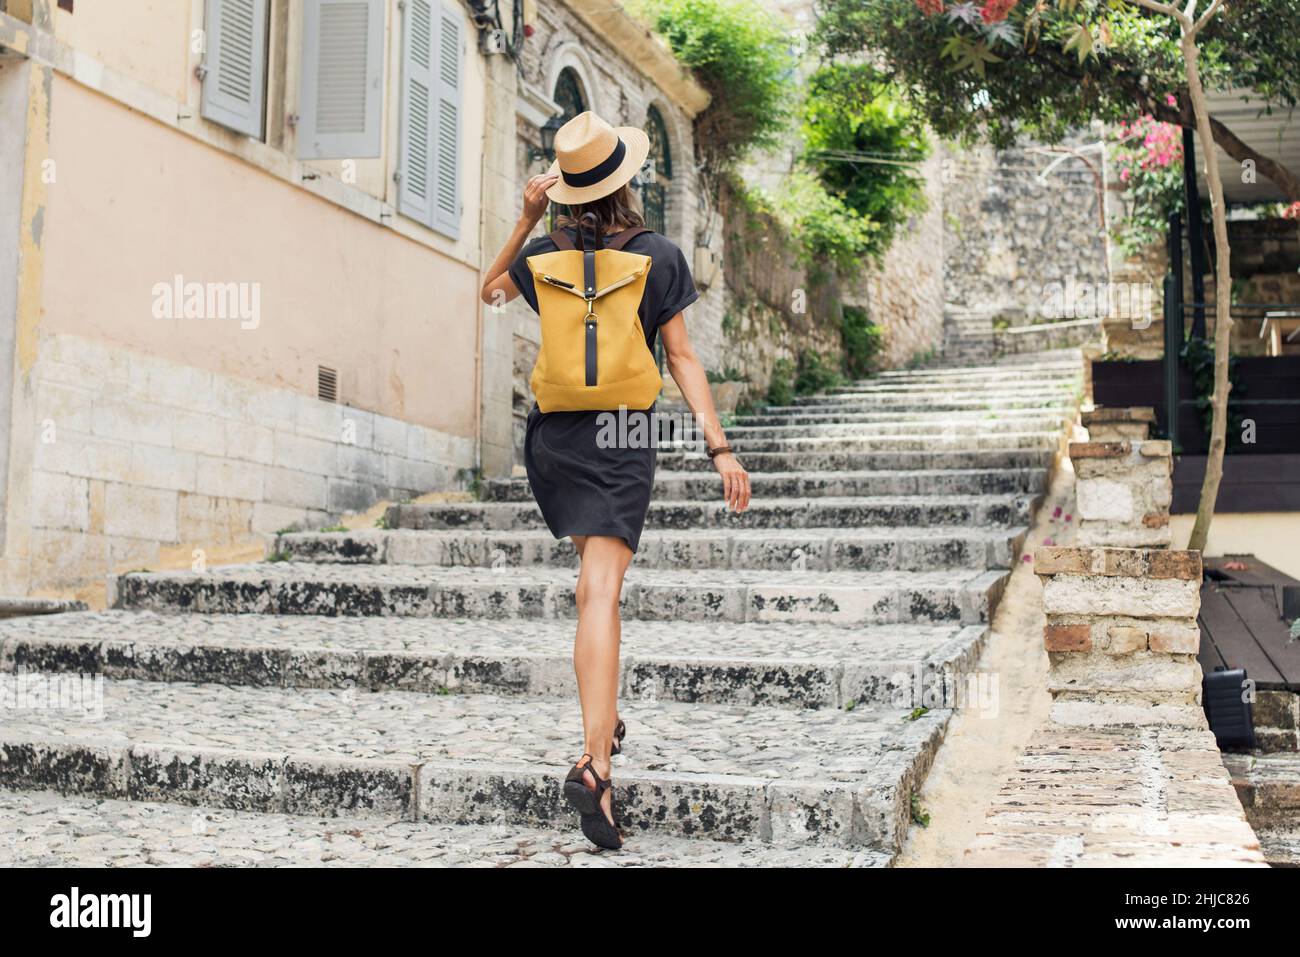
x: 568, y: 94
x: 656, y: 180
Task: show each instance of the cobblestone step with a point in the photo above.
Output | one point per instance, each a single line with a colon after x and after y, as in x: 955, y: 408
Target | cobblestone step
x: 295, y: 588
x: 757, y: 665
x: 1268, y: 786
x: 785, y: 513
x: 928, y: 397
x: 678, y: 486
x: 786, y: 777
x: 830, y: 460
x: 898, y: 548
x: 43, y: 829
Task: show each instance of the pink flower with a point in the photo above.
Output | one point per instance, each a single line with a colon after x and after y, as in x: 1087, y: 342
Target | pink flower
x: 1292, y: 211
x: 1056, y: 513
x: 1171, y: 100
x: 1069, y: 518
x: 1027, y: 558
x: 1048, y: 541
x: 930, y: 7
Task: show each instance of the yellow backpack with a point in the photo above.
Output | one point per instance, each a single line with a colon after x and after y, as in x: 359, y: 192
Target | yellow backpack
x: 593, y: 354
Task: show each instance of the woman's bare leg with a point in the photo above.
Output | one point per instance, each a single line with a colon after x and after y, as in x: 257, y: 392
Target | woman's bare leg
x: 595, y: 649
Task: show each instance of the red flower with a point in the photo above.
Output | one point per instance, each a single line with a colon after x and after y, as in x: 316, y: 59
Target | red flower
x: 930, y: 7
x: 995, y: 11
x: 1292, y: 211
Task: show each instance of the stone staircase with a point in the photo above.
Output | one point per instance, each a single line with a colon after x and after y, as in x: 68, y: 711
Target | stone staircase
x: 787, y: 673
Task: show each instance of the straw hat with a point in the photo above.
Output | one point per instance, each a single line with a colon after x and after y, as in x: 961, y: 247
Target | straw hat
x: 593, y: 158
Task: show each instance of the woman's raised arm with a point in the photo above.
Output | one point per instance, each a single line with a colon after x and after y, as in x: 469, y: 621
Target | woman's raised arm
x: 498, y: 288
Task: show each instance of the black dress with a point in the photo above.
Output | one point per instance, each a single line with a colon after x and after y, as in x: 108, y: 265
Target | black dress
x: 581, y: 487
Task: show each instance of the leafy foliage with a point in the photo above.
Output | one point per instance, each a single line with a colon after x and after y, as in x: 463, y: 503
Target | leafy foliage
x: 815, y: 374
x: 741, y: 55
x: 821, y: 224
x: 1198, y: 356
x: 858, y: 134
x: 863, y: 342
x: 1045, y: 67
x: 780, y: 387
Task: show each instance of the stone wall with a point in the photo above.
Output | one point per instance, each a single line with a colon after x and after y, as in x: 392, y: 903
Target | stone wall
x: 904, y: 293
x: 135, y: 455
x: 1008, y: 238
x: 776, y: 305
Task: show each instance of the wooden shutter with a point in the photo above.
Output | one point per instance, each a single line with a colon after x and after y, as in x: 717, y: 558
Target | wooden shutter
x: 342, y: 90
x: 415, y: 168
x: 432, y: 77
x: 446, y: 197
x: 234, y: 79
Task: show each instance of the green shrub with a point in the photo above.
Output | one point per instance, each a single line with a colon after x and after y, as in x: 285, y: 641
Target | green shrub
x: 863, y: 342
x: 815, y: 374
x: 780, y: 387
x: 741, y: 54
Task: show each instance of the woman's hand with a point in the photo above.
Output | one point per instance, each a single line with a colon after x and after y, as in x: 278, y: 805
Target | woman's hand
x: 735, y: 481
x: 535, y: 198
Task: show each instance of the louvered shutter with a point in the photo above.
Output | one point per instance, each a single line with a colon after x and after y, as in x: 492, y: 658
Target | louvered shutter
x: 446, y: 196
x: 342, y: 89
x: 234, y: 81
x: 415, y: 169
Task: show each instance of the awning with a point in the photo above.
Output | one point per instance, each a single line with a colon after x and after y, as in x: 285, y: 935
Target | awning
x: 1275, y: 135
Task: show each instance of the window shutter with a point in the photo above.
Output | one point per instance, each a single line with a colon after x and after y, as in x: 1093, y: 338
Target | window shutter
x: 415, y: 169
x: 446, y: 205
x: 234, y: 81
x: 342, y: 79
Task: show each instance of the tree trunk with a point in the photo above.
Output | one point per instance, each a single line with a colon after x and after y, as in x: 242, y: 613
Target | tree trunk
x: 1222, y: 301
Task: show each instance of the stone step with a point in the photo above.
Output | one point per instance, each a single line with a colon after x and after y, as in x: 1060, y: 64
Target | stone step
x: 782, y: 513
x: 998, y: 374
x: 909, y: 405
x: 868, y: 549
x: 756, y: 665
x: 966, y: 418
x: 679, y: 486
x: 855, y: 430
x: 1012, y: 389
x: 113, y: 833
x: 830, y: 460
x: 957, y: 440
x: 296, y: 588
x: 786, y: 777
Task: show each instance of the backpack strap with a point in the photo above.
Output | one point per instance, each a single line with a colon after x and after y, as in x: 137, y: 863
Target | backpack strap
x: 619, y: 240
x: 561, y: 240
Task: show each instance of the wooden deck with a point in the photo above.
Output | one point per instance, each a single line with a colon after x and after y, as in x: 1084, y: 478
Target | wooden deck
x: 1242, y: 624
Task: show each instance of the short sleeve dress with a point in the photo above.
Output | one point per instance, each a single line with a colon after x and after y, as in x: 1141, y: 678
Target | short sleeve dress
x: 580, y: 487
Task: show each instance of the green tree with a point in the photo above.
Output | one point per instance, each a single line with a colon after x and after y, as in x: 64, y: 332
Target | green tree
x: 862, y: 140
x: 1042, y: 67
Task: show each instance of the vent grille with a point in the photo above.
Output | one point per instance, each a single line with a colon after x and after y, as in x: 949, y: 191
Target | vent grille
x: 327, y: 383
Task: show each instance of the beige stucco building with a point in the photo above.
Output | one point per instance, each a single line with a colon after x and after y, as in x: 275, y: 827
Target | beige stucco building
x: 240, y: 244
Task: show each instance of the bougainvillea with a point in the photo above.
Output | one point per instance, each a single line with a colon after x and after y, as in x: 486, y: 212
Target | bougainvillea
x: 930, y: 7
x: 1150, y: 160
x: 1292, y: 211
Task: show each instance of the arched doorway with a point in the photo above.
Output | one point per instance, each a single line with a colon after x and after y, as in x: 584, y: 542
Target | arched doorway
x: 654, y: 187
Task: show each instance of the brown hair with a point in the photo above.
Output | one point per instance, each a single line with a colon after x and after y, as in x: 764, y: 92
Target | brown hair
x: 611, y: 213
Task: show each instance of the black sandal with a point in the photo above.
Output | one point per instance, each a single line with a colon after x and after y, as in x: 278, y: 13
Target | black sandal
x: 595, y: 825
x: 620, y: 730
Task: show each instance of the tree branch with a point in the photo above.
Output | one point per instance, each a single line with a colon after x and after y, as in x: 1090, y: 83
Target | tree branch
x: 1156, y: 7
x: 1206, y: 17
